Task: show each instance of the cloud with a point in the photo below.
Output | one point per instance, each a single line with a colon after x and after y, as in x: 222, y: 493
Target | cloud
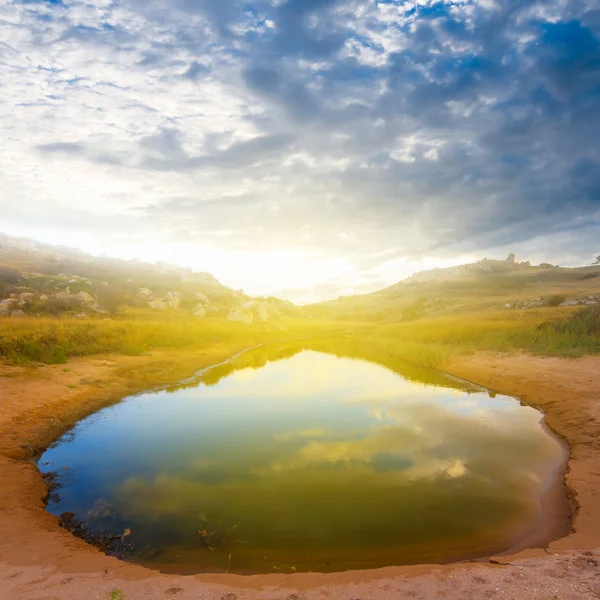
x: 343, y: 130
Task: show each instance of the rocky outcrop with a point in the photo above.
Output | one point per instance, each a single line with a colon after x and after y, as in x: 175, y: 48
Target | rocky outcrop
x: 483, y: 266
x: 157, y: 304
x: 552, y: 301
x: 172, y: 300
x: 5, y: 308
x: 199, y: 311
x: 254, y: 312
x: 85, y: 298
x: 98, y: 309
x: 239, y: 314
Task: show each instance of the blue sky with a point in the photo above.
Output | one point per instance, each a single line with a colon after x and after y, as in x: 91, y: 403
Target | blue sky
x: 308, y: 148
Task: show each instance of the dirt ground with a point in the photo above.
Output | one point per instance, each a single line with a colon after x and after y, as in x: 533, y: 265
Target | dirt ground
x: 40, y: 561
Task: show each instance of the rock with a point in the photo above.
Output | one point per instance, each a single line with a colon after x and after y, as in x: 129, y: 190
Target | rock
x: 157, y: 304
x: 569, y: 303
x: 508, y: 305
x: 145, y: 292
x: 172, y: 302
x: 85, y: 298
x: 199, y: 311
x: 266, y: 312
x: 4, y: 310
x: 43, y: 298
x: 202, y: 298
x: 97, y: 308
x: 17, y: 313
x: 240, y: 315
x: 81, y: 316
x: 262, y: 312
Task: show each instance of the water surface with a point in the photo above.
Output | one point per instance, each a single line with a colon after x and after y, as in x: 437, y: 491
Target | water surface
x: 298, y: 460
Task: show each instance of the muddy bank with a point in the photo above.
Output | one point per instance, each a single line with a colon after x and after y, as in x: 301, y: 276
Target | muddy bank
x: 39, y: 560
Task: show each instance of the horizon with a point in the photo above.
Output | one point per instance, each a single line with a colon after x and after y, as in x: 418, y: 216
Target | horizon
x: 304, y: 150
x: 232, y: 285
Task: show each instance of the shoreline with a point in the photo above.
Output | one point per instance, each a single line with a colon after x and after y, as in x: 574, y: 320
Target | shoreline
x: 557, y: 508
x: 44, y: 547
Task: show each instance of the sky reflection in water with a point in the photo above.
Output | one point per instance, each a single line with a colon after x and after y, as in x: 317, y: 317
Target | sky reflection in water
x: 312, y: 462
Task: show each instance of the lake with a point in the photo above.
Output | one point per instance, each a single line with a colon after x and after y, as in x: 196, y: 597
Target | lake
x: 288, y: 459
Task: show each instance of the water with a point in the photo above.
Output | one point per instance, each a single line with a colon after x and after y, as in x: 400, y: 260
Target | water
x: 290, y: 460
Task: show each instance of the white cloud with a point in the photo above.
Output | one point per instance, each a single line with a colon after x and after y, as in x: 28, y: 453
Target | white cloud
x: 281, y: 133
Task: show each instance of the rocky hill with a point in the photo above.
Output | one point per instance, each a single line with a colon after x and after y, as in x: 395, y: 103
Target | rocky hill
x: 42, y: 279
x: 483, y: 285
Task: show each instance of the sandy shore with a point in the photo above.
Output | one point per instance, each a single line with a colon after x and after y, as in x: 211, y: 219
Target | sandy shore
x: 39, y: 560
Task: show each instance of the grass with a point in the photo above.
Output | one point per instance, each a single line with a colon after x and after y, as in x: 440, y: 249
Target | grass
x: 559, y: 331
x: 553, y: 332
x: 54, y: 340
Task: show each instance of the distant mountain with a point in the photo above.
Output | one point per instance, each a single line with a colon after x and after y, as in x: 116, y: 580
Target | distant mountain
x: 39, y: 278
x: 483, y: 285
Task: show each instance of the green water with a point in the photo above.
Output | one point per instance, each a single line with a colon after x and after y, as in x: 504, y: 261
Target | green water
x: 296, y: 460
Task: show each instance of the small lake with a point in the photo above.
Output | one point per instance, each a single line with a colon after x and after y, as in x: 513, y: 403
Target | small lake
x: 290, y: 459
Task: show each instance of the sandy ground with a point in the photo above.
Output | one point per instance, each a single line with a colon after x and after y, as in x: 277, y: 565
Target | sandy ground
x: 39, y: 560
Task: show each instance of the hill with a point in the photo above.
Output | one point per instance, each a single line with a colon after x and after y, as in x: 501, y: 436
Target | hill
x: 42, y: 279
x: 487, y: 285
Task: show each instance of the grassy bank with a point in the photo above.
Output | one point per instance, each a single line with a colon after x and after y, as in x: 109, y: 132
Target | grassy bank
x: 568, y: 332
x: 552, y: 332
x: 55, y: 340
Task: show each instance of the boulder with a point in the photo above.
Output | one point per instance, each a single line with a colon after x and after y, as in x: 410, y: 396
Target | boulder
x: 97, y: 308
x: 262, y: 312
x: 85, y: 298
x: 569, y: 303
x: 202, y: 298
x: 81, y: 316
x: 157, y: 304
x: 239, y: 314
x: 172, y: 302
x: 17, y: 313
x: 199, y: 311
x: 145, y: 292
x: 266, y: 312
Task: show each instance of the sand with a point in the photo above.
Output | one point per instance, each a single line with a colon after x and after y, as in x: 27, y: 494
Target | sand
x: 39, y: 560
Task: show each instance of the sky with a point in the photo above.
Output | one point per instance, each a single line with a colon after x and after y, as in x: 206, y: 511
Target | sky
x: 303, y: 148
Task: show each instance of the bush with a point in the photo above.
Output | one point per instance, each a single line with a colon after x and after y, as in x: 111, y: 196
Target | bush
x: 556, y: 300
x: 585, y: 322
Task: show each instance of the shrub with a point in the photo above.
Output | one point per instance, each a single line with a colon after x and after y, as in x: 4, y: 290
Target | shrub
x: 556, y: 300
